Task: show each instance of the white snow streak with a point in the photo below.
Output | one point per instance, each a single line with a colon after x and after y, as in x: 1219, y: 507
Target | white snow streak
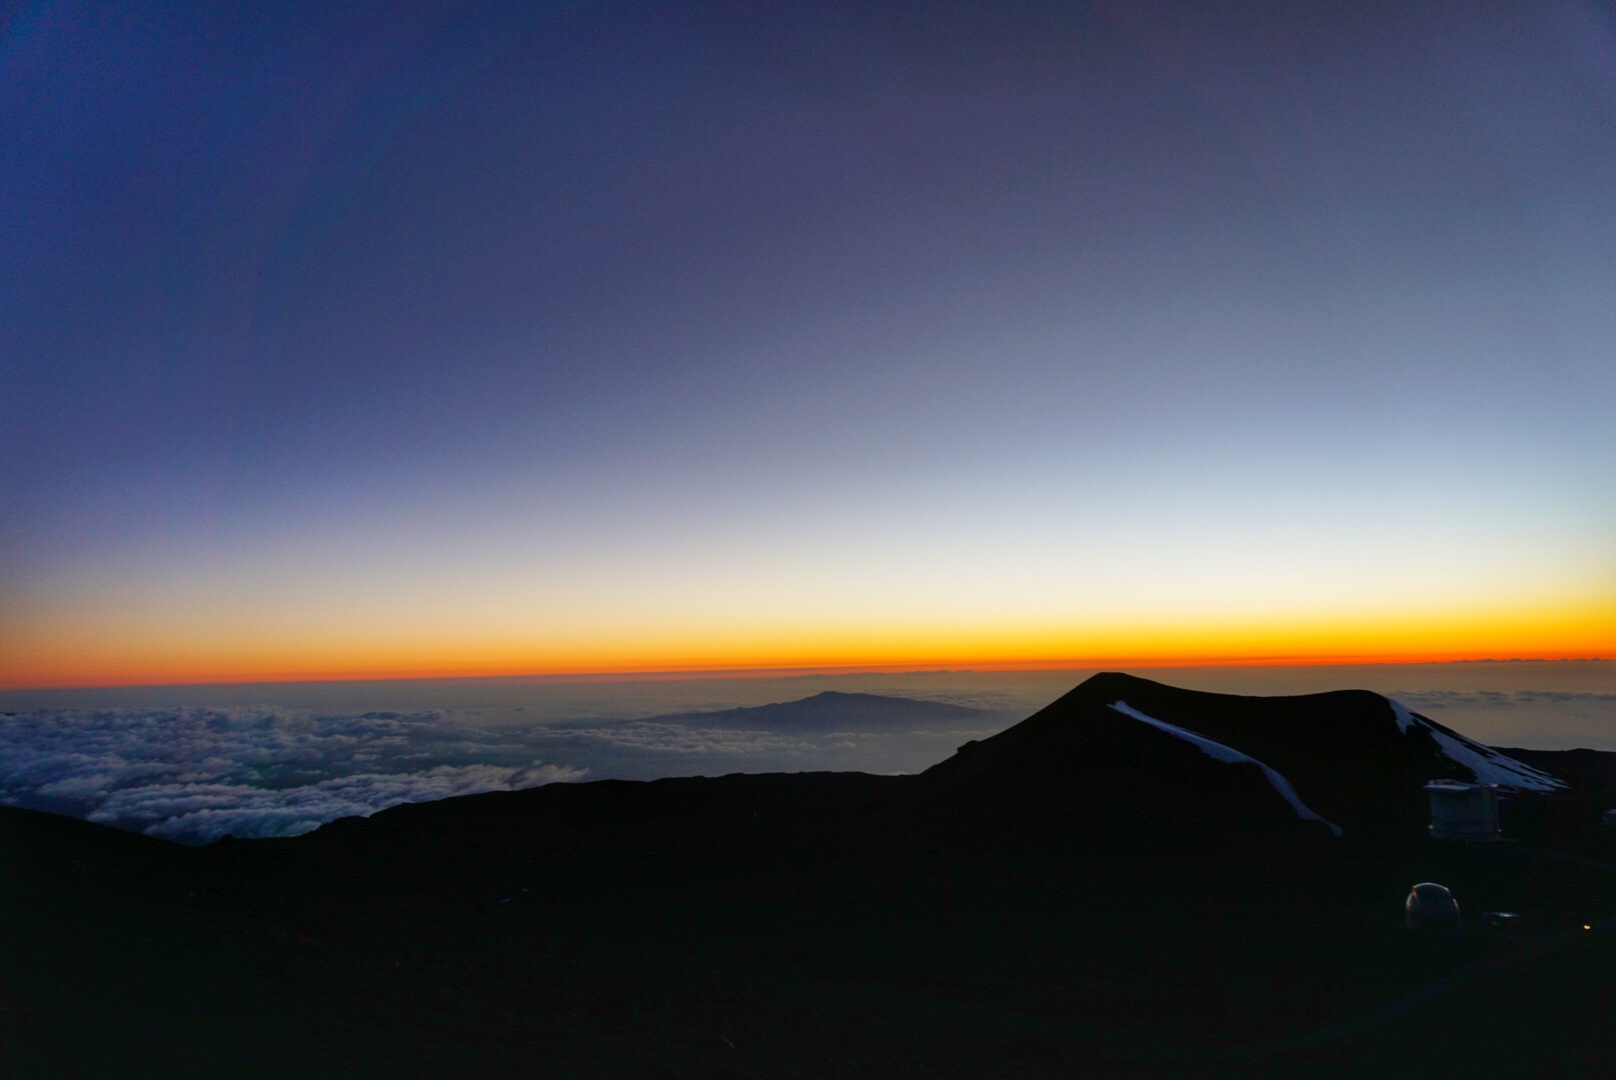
x: 1488, y: 765
x: 1234, y: 757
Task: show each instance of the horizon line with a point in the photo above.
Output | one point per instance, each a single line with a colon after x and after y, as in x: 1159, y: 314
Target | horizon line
x: 806, y: 670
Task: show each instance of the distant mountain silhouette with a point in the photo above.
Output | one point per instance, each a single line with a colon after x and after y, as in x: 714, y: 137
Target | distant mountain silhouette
x: 833, y: 710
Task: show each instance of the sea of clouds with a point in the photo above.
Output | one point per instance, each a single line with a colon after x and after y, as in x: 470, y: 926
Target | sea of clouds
x: 196, y: 774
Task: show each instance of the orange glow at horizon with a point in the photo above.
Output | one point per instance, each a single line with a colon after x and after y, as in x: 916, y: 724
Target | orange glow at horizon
x: 116, y: 656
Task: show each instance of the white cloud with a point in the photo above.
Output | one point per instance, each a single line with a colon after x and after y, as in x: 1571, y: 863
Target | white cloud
x: 201, y: 812
x: 195, y: 774
x: 198, y: 774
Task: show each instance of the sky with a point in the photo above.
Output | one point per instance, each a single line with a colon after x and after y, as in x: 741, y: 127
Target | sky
x: 395, y: 340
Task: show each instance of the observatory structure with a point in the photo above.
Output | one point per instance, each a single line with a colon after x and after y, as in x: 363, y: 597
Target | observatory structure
x: 1461, y: 811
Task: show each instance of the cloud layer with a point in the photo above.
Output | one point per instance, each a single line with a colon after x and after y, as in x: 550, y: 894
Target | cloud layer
x: 195, y: 775
x: 1439, y: 699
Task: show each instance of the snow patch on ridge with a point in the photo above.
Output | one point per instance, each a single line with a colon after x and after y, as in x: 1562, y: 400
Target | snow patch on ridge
x: 1488, y: 765
x: 1234, y: 757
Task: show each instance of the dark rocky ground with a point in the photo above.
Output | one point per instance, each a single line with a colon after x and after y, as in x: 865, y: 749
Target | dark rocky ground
x: 1079, y: 896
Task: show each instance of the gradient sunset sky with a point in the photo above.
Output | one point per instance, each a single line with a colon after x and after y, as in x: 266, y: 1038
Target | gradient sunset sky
x: 352, y: 340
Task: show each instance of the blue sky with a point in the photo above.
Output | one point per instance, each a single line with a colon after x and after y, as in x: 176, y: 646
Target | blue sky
x: 414, y: 338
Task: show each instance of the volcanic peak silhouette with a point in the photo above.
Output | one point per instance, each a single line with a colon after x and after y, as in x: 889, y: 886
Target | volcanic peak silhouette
x: 1353, y: 757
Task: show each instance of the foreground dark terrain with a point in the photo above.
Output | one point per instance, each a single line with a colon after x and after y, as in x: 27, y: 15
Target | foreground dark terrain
x: 1088, y: 893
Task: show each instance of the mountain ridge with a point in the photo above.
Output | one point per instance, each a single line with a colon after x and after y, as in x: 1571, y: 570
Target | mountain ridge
x: 1085, y: 893
x: 829, y: 710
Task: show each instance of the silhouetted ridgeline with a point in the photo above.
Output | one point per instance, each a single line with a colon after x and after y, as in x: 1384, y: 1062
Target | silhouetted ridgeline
x: 833, y: 710
x: 1137, y: 880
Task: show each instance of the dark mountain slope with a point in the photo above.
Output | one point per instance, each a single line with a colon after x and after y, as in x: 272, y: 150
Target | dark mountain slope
x: 1347, y: 753
x: 1086, y: 893
x: 1085, y: 776
x: 607, y: 830
x: 1593, y: 771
